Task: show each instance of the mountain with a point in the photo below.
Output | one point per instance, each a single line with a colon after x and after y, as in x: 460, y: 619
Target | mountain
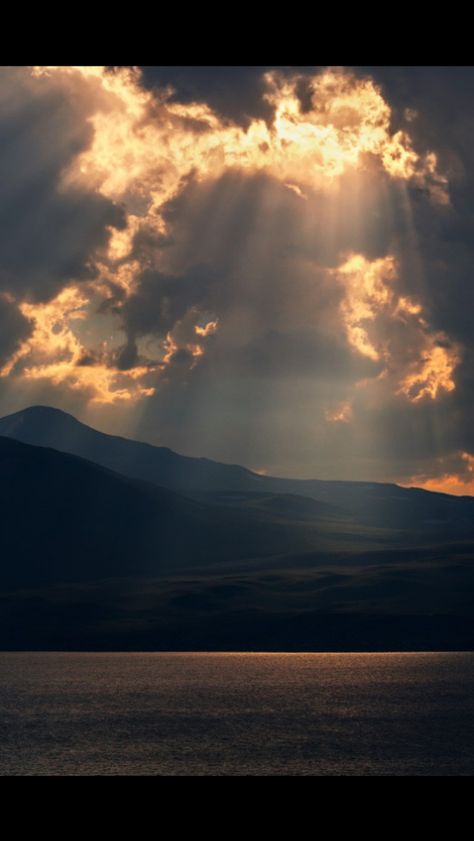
x: 95, y: 560
x: 372, y: 504
x: 66, y: 519
x: 43, y: 426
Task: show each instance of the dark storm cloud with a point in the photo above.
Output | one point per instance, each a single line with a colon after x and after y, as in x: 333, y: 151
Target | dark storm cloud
x: 127, y: 356
x: 446, y: 252
x: 161, y: 300
x: 236, y: 93
x: 14, y: 328
x: 435, y: 104
x: 48, y: 232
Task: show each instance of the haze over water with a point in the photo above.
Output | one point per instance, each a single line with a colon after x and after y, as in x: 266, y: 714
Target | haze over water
x: 237, y: 714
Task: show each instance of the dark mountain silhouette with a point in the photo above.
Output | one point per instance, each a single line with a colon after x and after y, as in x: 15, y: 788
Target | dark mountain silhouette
x: 370, y: 503
x: 136, y: 547
x: 43, y: 426
x: 67, y: 519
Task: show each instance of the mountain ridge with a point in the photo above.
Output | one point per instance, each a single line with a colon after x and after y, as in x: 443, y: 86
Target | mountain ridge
x: 378, y: 504
x: 11, y: 427
x: 66, y: 518
x: 94, y: 559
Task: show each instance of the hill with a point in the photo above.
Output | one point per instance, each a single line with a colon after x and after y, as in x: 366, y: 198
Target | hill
x: 374, y: 504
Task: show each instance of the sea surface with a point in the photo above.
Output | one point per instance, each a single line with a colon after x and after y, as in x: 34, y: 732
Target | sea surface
x: 236, y: 714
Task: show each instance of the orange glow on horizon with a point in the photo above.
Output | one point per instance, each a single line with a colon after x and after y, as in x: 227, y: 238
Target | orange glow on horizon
x: 456, y: 484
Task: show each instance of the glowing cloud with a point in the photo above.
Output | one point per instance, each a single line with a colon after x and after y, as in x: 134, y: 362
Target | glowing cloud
x: 423, y: 361
x: 54, y: 352
x: 145, y: 144
x: 346, y: 118
x: 143, y: 148
x: 433, y: 372
x: 367, y: 287
x: 208, y: 328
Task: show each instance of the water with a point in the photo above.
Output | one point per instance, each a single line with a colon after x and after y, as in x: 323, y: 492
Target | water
x: 236, y: 714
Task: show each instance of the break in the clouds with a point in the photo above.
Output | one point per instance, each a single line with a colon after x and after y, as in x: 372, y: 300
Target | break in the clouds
x: 269, y: 266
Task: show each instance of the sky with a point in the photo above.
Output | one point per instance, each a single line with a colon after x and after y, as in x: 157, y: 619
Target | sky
x: 269, y: 266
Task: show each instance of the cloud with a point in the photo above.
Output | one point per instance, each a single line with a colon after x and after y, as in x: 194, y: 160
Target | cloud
x: 451, y: 474
x: 53, y: 352
x: 269, y: 265
x: 49, y: 234
x: 235, y: 93
x: 14, y: 328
